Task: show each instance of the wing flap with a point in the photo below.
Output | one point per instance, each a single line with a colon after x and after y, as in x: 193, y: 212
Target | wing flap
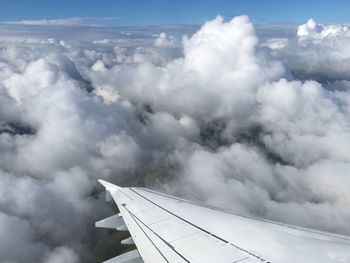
x: 112, y: 222
x: 128, y: 241
x: 128, y: 257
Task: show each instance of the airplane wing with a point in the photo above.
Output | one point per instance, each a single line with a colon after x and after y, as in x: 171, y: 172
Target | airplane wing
x: 169, y: 229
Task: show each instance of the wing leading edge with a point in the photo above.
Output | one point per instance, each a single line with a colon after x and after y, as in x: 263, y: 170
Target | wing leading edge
x: 169, y: 229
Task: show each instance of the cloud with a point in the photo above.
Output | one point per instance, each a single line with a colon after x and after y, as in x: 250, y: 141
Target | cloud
x: 72, y: 21
x: 255, y: 125
x: 17, y: 232
x: 320, y: 52
x: 62, y: 254
x: 312, y: 30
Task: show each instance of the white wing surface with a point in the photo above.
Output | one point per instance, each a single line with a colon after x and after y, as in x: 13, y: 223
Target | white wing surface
x: 169, y: 229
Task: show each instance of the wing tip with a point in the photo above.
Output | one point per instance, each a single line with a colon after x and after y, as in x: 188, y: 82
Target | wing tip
x: 109, y: 187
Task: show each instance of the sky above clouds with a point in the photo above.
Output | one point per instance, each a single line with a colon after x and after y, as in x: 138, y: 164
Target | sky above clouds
x: 155, y: 12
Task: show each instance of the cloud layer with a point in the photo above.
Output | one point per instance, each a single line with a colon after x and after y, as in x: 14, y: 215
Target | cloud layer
x: 259, y: 127
x: 65, y: 22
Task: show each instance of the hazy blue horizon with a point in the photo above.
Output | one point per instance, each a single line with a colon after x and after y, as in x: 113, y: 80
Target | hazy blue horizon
x: 157, y: 12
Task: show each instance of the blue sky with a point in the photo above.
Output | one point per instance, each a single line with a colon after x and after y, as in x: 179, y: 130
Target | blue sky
x: 152, y: 12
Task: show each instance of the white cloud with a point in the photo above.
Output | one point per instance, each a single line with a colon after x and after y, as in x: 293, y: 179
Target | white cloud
x: 17, y: 233
x: 164, y: 41
x: 62, y: 254
x: 312, y: 30
x: 320, y: 52
x: 72, y: 21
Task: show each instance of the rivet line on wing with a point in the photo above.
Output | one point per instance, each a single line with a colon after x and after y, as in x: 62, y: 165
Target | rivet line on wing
x: 217, y: 237
x: 169, y: 245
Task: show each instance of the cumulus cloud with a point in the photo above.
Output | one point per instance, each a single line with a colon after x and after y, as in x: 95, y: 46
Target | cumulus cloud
x: 255, y: 126
x: 62, y: 254
x: 312, y: 30
x: 18, y: 240
x: 319, y: 52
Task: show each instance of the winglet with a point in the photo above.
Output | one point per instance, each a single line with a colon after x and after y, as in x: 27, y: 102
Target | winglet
x: 112, y: 188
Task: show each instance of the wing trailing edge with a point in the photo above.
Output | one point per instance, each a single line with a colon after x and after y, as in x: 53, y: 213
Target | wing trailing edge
x: 128, y: 241
x: 128, y: 257
x: 116, y: 222
x: 112, y: 222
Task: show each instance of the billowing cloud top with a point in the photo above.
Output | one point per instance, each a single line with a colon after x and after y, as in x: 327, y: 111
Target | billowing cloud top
x: 259, y: 127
